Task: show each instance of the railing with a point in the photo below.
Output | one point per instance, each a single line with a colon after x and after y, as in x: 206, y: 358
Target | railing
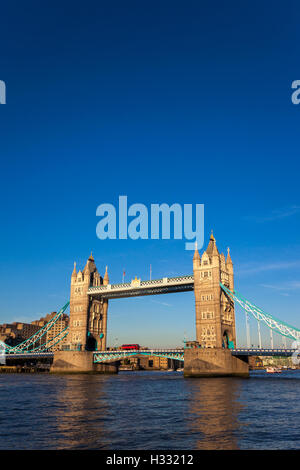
x: 263, y: 352
x: 188, y: 279
x: 110, y: 356
x: 272, y: 322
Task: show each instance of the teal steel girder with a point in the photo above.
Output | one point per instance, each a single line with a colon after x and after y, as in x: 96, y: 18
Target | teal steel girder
x: 111, y: 356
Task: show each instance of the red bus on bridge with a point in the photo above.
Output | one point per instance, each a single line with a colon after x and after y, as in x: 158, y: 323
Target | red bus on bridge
x: 130, y: 346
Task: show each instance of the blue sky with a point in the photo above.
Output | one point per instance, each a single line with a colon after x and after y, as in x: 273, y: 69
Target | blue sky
x: 163, y: 102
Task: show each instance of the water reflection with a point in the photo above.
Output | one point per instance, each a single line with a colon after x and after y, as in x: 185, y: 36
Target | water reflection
x: 214, y: 410
x: 149, y: 410
x: 82, y: 412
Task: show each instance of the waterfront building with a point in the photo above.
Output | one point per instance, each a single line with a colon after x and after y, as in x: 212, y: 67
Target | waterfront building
x: 17, y: 332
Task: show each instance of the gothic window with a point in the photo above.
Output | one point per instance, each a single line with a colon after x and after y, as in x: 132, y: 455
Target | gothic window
x: 76, y: 337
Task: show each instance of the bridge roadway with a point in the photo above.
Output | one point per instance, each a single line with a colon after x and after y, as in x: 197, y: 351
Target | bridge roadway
x: 29, y: 355
x: 178, y: 354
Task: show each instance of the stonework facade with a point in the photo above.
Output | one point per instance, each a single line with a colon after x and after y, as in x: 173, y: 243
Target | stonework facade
x: 17, y: 332
x: 53, y: 334
x: 88, y: 316
x: 215, y: 318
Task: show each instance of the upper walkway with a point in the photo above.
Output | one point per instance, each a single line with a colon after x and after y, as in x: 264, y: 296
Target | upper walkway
x: 136, y: 287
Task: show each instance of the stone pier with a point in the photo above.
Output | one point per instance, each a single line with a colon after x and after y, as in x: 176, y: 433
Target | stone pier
x: 214, y: 362
x: 79, y: 362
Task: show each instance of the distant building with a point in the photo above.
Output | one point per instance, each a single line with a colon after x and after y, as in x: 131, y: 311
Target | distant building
x: 255, y: 362
x: 17, y: 332
x: 61, y: 324
x: 156, y: 363
x: 277, y: 361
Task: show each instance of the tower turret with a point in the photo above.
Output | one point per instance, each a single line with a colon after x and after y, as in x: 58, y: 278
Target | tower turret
x: 74, y: 273
x: 106, y: 278
x: 196, y: 257
x: 212, y: 249
x: 229, y: 267
x: 229, y: 263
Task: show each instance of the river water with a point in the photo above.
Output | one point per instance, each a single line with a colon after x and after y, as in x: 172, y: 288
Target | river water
x: 149, y: 410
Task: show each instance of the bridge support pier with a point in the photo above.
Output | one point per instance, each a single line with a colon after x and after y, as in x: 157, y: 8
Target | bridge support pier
x: 79, y: 362
x: 214, y: 362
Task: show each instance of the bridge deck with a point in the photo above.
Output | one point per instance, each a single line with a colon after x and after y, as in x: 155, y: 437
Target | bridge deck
x: 29, y: 355
x: 262, y: 352
x: 172, y: 353
x: 106, y: 356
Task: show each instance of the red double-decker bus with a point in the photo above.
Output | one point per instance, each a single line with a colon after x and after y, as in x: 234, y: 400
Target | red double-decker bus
x: 130, y: 346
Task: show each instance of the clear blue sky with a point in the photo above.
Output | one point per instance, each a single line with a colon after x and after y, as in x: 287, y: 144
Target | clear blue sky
x: 163, y: 102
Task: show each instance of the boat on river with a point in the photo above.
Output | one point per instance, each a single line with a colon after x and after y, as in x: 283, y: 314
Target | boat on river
x: 273, y: 370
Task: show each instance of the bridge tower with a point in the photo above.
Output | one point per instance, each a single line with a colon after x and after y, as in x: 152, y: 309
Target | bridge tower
x: 88, y: 316
x: 87, y: 327
x: 215, y: 318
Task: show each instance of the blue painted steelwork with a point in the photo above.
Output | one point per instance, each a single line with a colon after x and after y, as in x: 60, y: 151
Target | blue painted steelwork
x: 273, y: 323
x: 263, y: 352
x: 35, y: 355
x: 50, y: 344
x: 28, y: 345
x: 109, y: 356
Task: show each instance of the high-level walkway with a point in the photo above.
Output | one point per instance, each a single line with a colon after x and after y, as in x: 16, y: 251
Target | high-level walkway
x: 136, y: 287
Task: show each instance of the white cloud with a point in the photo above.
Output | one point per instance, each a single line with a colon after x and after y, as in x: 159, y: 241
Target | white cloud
x: 285, y: 286
x: 253, y: 268
x: 274, y: 215
x: 165, y: 304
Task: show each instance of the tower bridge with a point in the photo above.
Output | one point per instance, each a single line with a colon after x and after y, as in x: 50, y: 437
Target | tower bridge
x: 84, y: 342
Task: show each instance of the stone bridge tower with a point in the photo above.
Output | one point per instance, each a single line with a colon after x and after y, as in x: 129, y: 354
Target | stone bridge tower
x: 88, y: 316
x: 215, y: 318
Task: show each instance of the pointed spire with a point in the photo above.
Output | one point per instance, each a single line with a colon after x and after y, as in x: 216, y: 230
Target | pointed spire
x: 106, y: 278
x: 196, y: 254
x: 228, y: 260
x: 87, y: 267
x: 74, y: 273
x: 89, y: 264
x: 212, y: 249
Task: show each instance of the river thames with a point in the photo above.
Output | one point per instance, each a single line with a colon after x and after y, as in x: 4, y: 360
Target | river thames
x: 149, y: 410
